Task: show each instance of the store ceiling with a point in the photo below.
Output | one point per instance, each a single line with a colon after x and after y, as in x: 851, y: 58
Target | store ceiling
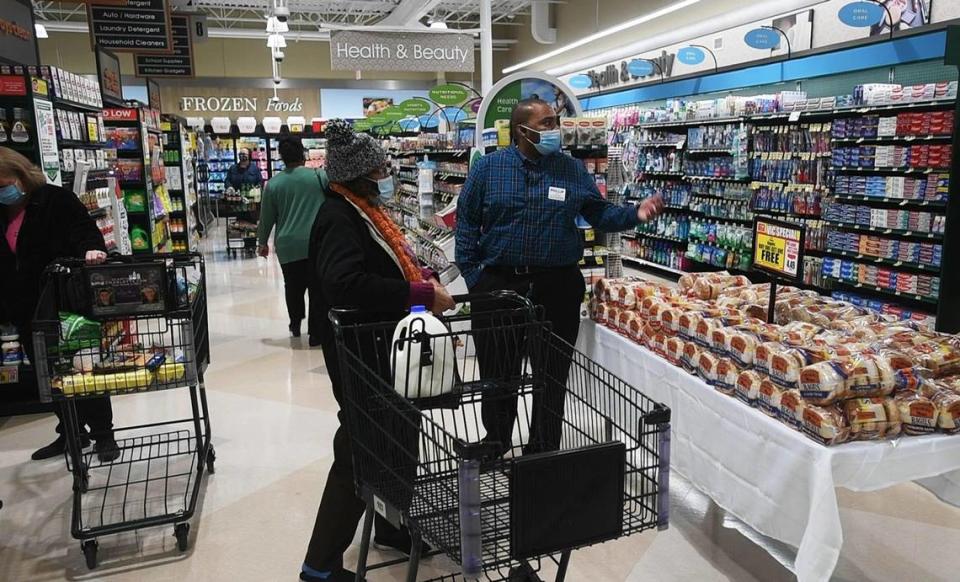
x: 309, y: 15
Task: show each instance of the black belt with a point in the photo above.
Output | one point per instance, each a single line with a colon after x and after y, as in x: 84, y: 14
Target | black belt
x: 525, y: 271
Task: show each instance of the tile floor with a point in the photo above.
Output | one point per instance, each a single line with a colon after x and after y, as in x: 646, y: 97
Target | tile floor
x: 273, y: 419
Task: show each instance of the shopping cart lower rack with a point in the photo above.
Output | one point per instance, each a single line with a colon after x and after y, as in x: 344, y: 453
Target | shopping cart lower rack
x: 566, y: 454
x: 125, y: 328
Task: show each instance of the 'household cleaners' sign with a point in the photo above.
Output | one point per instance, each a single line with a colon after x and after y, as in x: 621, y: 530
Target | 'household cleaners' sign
x: 352, y: 50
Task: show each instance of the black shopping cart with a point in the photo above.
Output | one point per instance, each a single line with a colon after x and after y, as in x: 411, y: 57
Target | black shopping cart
x: 130, y: 326
x: 585, y: 458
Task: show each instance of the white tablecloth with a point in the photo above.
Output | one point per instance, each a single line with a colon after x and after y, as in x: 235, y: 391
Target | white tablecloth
x: 771, y: 477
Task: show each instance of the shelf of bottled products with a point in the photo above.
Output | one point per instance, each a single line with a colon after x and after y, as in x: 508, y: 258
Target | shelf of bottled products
x: 877, y: 172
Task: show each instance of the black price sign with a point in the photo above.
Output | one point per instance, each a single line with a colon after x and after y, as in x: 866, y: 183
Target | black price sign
x: 177, y: 64
x: 141, y: 26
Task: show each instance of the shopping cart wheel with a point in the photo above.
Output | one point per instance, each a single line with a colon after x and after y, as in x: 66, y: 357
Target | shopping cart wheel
x: 90, y: 553
x: 181, y: 531
x: 523, y: 573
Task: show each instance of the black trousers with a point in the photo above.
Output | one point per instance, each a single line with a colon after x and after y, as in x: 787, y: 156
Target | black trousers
x: 95, y: 413
x: 340, y: 508
x: 296, y: 283
x: 500, y: 354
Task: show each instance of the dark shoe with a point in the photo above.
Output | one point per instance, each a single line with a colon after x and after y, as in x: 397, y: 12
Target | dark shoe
x: 57, y: 448
x: 314, y: 341
x: 295, y: 329
x: 340, y: 575
x: 398, y: 541
x: 106, y: 449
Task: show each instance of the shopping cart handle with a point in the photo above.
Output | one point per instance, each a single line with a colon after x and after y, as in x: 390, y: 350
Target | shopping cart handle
x: 501, y: 295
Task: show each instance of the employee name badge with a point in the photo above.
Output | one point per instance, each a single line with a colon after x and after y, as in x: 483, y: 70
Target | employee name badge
x: 558, y: 194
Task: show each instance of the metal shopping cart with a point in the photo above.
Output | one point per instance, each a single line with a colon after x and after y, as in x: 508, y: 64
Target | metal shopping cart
x: 586, y: 461
x: 130, y: 326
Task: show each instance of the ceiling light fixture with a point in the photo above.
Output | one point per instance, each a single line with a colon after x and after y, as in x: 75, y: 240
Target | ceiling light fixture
x: 604, y: 33
x: 438, y: 24
x: 40, y: 30
x: 276, y: 41
x: 275, y: 26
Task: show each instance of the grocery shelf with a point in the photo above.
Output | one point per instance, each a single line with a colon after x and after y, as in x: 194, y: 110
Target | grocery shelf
x: 891, y: 139
x: 691, y: 122
x: 661, y: 173
x: 729, y: 248
x: 728, y: 151
x: 881, y: 261
x: 75, y: 144
x: 786, y: 214
x: 889, y: 170
x: 646, y: 263
x: 882, y: 291
x: 450, y: 173
x: 725, y: 218
x: 672, y: 239
x: 719, y: 178
x: 906, y: 233
x: 660, y: 144
x: 886, y: 200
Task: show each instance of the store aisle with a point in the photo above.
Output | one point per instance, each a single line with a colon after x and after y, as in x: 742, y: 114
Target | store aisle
x: 273, y: 420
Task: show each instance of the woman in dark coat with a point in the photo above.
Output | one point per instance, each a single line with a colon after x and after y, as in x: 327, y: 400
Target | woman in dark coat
x: 359, y: 259
x: 41, y: 222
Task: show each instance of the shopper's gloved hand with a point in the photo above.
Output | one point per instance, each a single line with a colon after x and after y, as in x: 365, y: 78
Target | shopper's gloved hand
x: 263, y: 251
x: 95, y: 257
x: 442, y: 301
x: 650, y: 208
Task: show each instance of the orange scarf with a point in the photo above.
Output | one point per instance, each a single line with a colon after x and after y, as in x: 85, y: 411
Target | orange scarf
x: 388, y: 230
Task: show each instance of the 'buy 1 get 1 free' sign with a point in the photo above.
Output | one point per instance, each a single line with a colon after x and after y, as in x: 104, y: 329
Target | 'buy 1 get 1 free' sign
x: 778, y: 247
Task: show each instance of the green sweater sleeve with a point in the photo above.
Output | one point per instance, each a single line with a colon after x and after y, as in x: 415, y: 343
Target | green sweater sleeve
x: 268, y: 217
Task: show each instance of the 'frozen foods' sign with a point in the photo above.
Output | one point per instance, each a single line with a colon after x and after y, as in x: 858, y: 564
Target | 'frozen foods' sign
x: 352, y: 50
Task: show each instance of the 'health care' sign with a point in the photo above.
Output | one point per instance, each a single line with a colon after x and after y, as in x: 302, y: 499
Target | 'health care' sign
x: 352, y: 50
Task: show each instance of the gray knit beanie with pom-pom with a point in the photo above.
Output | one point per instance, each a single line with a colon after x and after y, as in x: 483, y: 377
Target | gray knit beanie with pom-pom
x: 350, y: 154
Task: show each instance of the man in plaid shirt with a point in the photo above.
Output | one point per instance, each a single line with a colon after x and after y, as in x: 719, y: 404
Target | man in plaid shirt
x: 516, y: 230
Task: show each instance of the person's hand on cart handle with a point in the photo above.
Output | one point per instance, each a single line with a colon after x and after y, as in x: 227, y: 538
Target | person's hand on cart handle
x: 442, y: 301
x: 650, y: 208
x: 263, y: 251
x: 95, y: 257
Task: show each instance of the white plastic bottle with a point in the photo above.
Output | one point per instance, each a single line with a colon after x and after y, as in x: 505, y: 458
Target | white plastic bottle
x: 423, y: 356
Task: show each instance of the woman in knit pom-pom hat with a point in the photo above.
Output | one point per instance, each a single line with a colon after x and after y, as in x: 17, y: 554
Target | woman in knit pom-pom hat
x: 361, y: 259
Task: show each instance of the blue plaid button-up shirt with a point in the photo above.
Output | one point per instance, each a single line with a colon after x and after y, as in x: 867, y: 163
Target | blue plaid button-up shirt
x: 507, y: 215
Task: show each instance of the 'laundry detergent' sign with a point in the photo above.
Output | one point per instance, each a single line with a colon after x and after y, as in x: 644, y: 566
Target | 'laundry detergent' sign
x: 352, y: 50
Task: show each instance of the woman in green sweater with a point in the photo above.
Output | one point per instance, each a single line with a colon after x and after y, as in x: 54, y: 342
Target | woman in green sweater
x: 290, y: 202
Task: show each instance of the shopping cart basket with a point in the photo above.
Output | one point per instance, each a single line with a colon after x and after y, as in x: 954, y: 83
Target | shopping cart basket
x: 132, y: 325
x: 586, y: 461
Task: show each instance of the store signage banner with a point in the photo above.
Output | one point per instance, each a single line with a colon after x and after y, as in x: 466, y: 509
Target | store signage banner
x: 632, y: 70
x: 108, y: 72
x: 238, y: 104
x: 141, y: 26
x: 177, y: 64
x: 47, y: 140
x: 691, y: 55
x: 352, y: 50
x: 580, y: 82
x: 762, y: 38
x: 119, y: 114
x: 18, y: 43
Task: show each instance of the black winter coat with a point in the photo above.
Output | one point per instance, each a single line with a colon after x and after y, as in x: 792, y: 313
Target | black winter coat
x: 56, y: 225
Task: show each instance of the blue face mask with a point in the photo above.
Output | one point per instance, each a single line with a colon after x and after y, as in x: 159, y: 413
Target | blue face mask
x: 386, y: 187
x: 10, y: 195
x: 549, y: 141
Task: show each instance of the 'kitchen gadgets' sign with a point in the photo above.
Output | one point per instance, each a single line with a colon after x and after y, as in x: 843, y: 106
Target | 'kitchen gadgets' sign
x: 352, y: 50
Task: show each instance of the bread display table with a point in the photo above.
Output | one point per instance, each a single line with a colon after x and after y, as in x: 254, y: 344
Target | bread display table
x: 773, y: 478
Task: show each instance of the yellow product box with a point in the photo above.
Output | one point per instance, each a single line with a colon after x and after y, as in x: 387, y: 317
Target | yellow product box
x: 170, y: 373
x: 76, y: 384
x: 503, y: 132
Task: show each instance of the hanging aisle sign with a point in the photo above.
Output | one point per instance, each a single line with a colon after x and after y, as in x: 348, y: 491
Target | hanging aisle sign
x: 861, y: 14
x: 177, y: 64
x: 352, y: 50
x: 141, y: 26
